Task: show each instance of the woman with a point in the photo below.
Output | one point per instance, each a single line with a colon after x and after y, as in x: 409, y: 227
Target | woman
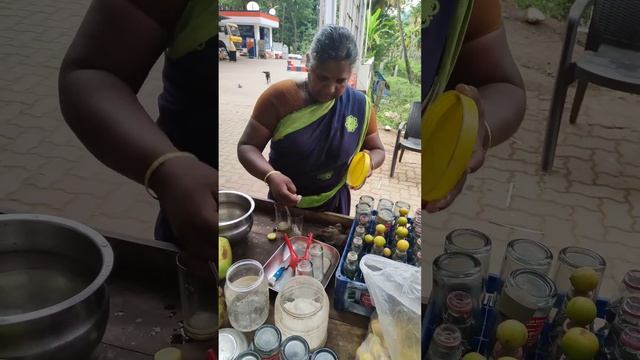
x: 483, y: 69
x: 113, y: 51
x: 315, y: 128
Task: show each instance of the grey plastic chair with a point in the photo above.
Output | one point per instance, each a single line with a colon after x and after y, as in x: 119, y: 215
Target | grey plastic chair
x: 611, y: 59
x: 411, y: 139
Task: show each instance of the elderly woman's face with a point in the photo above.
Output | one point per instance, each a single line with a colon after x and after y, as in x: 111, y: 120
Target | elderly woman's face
x: 328, y: 80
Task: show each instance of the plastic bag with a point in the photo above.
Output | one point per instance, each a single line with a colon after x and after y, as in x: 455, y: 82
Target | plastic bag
x: 373, y: 346
x: 395, y: 289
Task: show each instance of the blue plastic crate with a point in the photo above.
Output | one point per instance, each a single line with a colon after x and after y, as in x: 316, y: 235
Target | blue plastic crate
x: 483, y: 339
x: 353, y: 295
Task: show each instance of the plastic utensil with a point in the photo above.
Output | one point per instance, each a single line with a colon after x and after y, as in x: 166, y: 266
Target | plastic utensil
x: 293, y: 257
x: 306, y: 250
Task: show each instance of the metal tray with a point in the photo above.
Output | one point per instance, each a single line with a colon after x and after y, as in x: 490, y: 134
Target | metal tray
x: 281, y: 258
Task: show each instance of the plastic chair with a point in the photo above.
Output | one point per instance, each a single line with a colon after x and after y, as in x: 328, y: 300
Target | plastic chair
x: 611, y: 59
x: 411, y: 140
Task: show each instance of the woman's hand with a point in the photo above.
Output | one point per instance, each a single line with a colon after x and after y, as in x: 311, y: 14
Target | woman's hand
x: 188, y: 193
x: 283, y: 189
x: 477, y: 158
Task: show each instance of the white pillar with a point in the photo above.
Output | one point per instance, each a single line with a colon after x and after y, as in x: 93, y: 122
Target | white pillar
x: 271, y: 38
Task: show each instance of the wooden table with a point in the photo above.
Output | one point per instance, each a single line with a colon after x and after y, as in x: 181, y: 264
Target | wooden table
x: 346, y: 330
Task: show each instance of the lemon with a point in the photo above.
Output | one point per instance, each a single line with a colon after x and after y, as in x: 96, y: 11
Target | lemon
x: 404, y: 211
x: 512, y: 334
x: 402, y: 221
x: 402, y: 245
x: 473, y: 356
x: 584, y: 279
x: 380, y: 229
x: 579, y: 344
x: 386, y: 252
x: 379, y: 241
x: 368, y: 238
x: 581, y: 311
x: 402, y: 232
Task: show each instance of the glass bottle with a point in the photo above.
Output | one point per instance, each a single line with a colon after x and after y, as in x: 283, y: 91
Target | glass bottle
x: 456, y: 272
x: 628, y: 316
x: 360, y: 231
x: 356, y: 245
x: 304, y: 268
x: 630, y: 286
x: 400, y: 255
x: 351, y: 265
x: 460, y: 314
x: 378, y: 245
x: 316, y: 254
x: 446, y: 343
x: 628, y: 348
x: 363, y: 213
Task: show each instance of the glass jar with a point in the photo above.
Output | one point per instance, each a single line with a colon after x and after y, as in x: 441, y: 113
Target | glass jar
x: 246, y: 293
x: 294, y: 348
x: 472, y: 242
x: 527, y: 296
x: 250, y: 355
x: 525, y: 253
x: 231, y: 342
x: 366, y: 199
x: 324, y: 354
x: 400, y: 205
x: 357, y: 245
x: 446, y: 343
x: 459, y: 314
x: 360, y: 231
x: 266, y: 342
x: 456, y: 272
x: 363, y: 213
x: 630, y: 286
x: 572, y: 258
x: 385, y: 217
x: 385, y: 204
x: 302, y: 308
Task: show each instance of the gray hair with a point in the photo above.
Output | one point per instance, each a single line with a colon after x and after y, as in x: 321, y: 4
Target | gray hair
x: 334, y: 43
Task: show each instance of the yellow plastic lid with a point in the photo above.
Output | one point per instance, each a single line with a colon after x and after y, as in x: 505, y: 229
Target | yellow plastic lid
x: 358, y: 169
x: 449, y: 132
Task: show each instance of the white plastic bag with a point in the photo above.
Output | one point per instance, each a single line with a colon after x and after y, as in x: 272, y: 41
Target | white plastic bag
x: 395, y: 289
x: 373, y: 346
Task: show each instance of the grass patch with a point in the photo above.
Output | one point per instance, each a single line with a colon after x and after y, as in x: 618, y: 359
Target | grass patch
x: 395, y: 108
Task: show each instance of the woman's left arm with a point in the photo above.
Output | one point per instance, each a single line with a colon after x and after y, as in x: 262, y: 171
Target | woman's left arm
x: 487, y: 64
x: 374, y: 146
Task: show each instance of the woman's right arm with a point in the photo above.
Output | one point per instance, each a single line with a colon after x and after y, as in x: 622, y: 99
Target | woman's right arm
x: 105, y: 66
x: 253, y: 141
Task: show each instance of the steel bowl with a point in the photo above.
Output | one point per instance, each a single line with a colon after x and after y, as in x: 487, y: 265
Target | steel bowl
x: 54, y: 302
x: 235, y: 214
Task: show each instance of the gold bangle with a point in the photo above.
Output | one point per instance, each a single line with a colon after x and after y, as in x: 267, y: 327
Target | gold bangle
x: 269, y: 174
x: 156, y: 164
x: 486, y: 125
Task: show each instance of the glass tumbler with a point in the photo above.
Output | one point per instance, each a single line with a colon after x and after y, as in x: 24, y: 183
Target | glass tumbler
x: 198, y: 296
x: 367, y: 199
x: 400, y: 205
x: 385, y: 204
x: 525, y: 253
x: 471, y: 242
x: 572, y: 258
x: 363, y: 213
x: 316, y: 253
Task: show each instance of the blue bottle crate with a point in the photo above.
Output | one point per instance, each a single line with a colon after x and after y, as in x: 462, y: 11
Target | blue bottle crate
x: 481, y: 342
x: 353, y: 295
